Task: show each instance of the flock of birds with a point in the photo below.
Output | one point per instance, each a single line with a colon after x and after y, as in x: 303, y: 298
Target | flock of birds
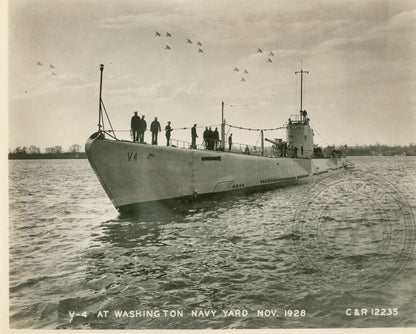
x: 200, y: 50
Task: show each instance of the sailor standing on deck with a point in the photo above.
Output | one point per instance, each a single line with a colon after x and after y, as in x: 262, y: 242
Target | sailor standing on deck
x: 194, y: 136
x: 210, y: 139
x: 285, y: 149
x: 155, y: 129
x: 304, y: 114
x: 143, y: 127
x: 135, y: 127
x: 230, y: 142
x: 168, y: 130
x: 205, y: 137
x: 216, y: 136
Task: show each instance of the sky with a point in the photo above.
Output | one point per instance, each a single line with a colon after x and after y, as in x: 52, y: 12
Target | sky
x: 360, y: 56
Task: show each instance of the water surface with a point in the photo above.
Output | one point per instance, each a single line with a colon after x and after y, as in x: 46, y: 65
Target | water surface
x: 70, y: 251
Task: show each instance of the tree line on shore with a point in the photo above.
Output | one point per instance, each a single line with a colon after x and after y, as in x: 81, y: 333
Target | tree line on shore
x: 74, y: 151
x: 54, y: 152
x: 379, y: 149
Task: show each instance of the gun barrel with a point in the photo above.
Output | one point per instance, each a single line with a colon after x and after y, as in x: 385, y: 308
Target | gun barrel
x: 271, y: 141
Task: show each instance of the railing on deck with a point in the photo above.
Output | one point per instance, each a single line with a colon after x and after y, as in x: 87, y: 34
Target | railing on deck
x: 238, y: 148
x: 295, y: 118
x: 184, y: 144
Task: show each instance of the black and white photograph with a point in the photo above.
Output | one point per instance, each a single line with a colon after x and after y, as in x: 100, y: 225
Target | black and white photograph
x: 210, y: 165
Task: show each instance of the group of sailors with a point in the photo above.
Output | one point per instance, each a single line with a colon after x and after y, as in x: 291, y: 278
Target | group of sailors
x: 138, y: 127
x: 211, y: 139
x: 282, y: 149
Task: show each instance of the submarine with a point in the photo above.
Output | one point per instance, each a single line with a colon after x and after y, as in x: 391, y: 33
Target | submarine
x: 135, y: 175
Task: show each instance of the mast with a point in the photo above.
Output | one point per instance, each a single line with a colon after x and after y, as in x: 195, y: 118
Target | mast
x: 222, y: 127
x: 301, y: 89
x: 100, y: 112
x: 262, y: 142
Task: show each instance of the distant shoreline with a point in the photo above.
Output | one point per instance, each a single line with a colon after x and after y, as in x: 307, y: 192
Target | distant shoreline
x: 82, y: 155
x: 37, y: 156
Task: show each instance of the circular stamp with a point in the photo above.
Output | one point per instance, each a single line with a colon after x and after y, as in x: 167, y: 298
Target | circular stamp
x: 354, y: 231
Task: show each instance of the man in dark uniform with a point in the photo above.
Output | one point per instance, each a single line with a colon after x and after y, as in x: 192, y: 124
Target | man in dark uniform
x: 155, y: 129
x: 280, y: 147
x: 205, y: 137
x: 210, y: 139
x: 216, y: 137
x: 285, y: 149
x: 230, y: 142
x: 168, y: 130
x: 135, y: 127
x: 194, y: 136
x: 304, y: 114
x: 143, y: 127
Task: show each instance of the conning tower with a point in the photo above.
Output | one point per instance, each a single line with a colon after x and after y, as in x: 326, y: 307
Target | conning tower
x: 299, y: 133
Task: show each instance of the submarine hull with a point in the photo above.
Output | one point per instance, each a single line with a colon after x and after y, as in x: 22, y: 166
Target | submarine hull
x: 134, y: 175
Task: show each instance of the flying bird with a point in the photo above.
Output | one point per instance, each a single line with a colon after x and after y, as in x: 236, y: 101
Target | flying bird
x: 245, y: 71
x: 189, y: 41
x: 269, y: 60
x: 271, y: 53
x: 236, y: 69
x: 259, y: 50
x: 168, y: 35
x: 242, y: 79
x: 39, y: 63
x: 200, y: 51
x: 199, y: 43
x: 167, y: 47
x: 157, y: 34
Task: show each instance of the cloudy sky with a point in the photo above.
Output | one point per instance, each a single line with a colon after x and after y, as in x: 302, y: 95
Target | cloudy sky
x: 360, y: 56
